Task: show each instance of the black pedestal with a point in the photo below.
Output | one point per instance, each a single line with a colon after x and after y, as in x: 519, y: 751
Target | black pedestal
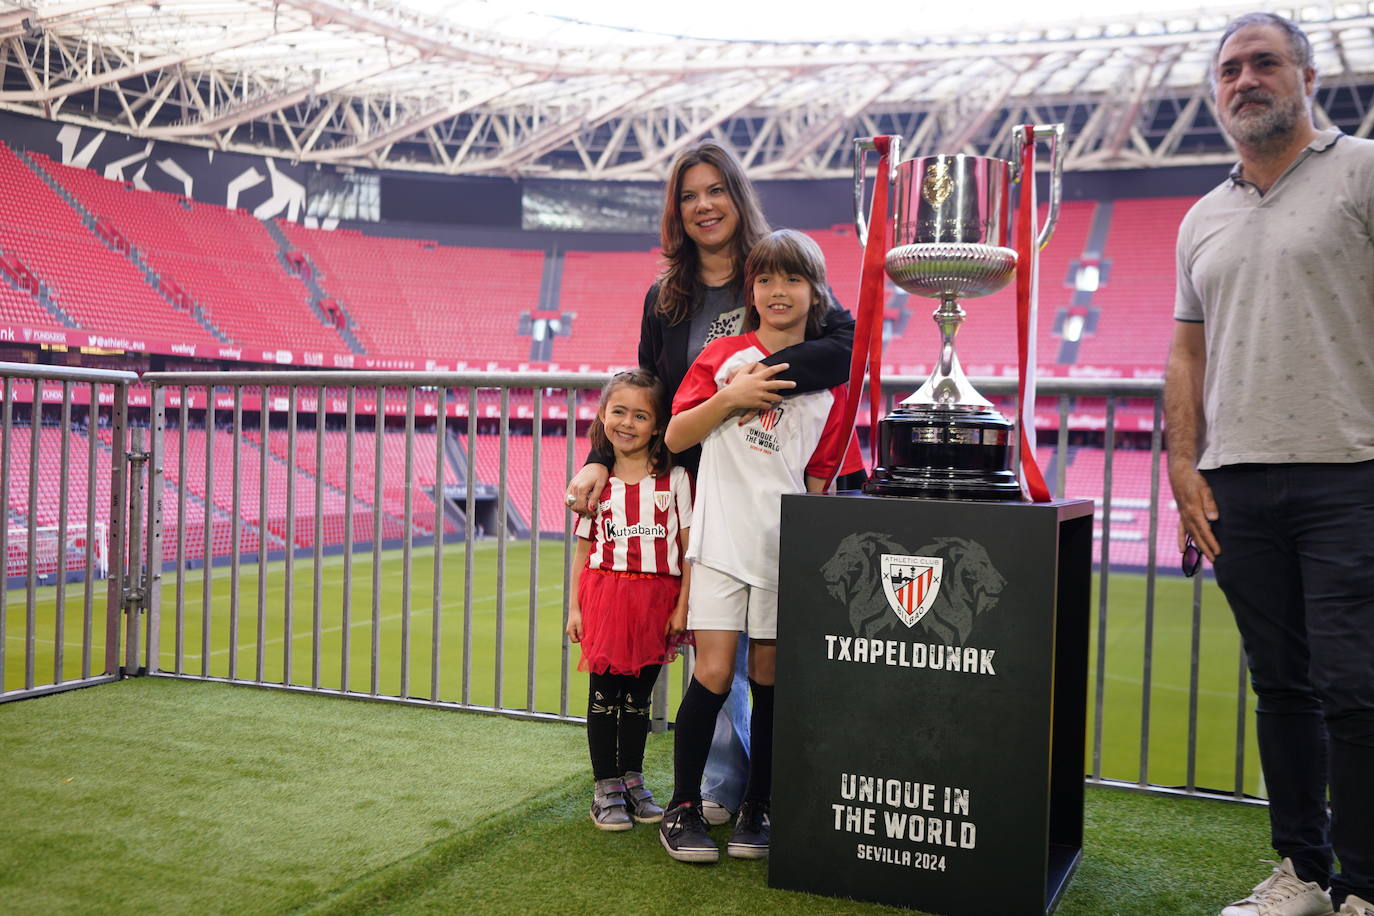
x: 936, y: 764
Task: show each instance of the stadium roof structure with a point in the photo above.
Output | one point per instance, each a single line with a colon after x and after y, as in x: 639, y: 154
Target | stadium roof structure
x: 479, y: 91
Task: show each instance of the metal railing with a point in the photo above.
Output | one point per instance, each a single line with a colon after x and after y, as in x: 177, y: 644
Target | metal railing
x: 301, y: 609
x: 278, y: 403
x: 96, y: 655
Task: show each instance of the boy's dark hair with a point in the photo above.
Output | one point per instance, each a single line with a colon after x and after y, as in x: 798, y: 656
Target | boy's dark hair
x: 787, y: 251
x: 660, y: 459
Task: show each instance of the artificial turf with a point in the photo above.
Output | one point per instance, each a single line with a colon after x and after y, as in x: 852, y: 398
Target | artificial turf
x: 159, y: 796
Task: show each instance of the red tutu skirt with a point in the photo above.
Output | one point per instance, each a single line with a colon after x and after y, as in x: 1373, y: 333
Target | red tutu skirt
x: 624, y: 619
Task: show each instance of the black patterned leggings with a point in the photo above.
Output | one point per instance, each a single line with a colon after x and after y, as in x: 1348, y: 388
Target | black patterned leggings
x: 618, y: 721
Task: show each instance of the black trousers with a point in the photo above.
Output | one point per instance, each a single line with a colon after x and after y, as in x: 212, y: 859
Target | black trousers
x: 1297, y: 566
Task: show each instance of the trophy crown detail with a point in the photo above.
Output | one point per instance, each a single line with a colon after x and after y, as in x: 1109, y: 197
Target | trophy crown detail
x: 938, y: 185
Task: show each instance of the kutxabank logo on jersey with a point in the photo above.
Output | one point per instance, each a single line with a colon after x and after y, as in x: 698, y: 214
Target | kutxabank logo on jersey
x: 910, y: 584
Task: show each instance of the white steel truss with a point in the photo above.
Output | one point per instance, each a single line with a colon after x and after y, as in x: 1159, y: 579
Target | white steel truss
x: 378, y: 84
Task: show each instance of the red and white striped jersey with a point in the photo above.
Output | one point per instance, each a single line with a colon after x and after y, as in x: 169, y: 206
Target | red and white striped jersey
x: 637, y: 524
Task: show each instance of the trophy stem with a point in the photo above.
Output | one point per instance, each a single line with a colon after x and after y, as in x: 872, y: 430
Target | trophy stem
x: 948, y: 387
x: 947, y: 318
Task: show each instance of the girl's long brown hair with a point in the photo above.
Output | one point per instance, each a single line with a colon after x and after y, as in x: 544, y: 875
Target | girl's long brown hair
x: 681, y: 260
x: 660, y: 459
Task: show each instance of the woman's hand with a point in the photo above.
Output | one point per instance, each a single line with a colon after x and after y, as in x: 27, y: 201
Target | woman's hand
x: 585, y: 486
x: 574, y: 627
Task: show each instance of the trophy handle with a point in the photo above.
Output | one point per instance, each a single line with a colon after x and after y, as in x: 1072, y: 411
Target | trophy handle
x: 862, y: 145
x: 1054, y: 133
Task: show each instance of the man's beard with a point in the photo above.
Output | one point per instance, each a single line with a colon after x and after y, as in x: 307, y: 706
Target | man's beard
x: 1265, y: 126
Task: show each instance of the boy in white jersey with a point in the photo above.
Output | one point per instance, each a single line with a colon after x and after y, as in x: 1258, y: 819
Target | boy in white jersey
x: 748, y: 461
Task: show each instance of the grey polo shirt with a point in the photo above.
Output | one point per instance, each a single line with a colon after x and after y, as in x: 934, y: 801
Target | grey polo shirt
x: 1283, y: 282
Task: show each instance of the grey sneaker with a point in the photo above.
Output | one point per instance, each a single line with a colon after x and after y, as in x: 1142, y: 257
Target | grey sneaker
x: 640, y: 800
x: 683, y: 833
x: 1283, y: 894
x: 715, y: 813
x: 1354, y: 906
x: 609, y: 808
x: 752, y: 830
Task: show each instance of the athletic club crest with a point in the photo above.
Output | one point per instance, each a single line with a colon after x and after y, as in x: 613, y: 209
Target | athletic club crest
x: 662, y: 499
x: 911, y: 584
x: 770, y: 418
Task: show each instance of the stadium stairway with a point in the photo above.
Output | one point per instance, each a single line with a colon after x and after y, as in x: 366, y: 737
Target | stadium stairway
x: 1136, y: 300
x: 74, y: 277
x: 456, y: 457
x: 194, y: 542
x: 250, y: 533
x: 602, y: 296
x: 334, y: 477
x: 1080, y: 304
x: 223, y: 259
x: 134, y: 256
x: 420, y: 300
x: 317, y: 294
x: 20, y: 304
x: 48, y: 303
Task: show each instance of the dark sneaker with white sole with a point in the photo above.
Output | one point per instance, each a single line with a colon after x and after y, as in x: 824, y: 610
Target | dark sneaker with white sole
x: 753, y: 827
x: 683, y: 833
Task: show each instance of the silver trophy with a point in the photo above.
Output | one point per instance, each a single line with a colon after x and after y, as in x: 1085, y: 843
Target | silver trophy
x: 951, y: 228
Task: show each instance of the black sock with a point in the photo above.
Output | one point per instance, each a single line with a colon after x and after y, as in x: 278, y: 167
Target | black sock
x: 760, y: 786
x: 696, y: 723
x: 634, y: 718
x: 603, y: 713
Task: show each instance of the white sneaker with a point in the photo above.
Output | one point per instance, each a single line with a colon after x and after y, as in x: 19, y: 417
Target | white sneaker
x: 714, y: 813
x: 1354, y: 906
x: 1284, y: 894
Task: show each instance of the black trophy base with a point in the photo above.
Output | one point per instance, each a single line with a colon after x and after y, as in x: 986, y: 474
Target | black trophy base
x: 945, y: 453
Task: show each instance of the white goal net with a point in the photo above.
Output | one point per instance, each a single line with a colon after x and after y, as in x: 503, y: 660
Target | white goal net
x: 46, y: 551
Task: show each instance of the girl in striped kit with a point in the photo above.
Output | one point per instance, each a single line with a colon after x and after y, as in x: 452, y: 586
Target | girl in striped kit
x: 628, y: 607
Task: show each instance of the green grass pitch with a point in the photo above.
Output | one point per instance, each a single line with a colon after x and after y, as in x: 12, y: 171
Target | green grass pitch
x: 474, y: 622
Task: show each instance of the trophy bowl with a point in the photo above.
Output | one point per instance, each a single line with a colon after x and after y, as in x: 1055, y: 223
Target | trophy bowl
x: 956, y: 270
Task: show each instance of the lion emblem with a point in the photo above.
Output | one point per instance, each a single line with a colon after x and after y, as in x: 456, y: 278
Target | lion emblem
x: 972, y: 585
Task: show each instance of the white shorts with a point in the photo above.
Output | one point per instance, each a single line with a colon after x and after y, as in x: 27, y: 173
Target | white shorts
x: 719, y: 601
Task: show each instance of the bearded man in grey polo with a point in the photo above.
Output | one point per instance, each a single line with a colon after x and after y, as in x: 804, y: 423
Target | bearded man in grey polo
x: 1270, y: 405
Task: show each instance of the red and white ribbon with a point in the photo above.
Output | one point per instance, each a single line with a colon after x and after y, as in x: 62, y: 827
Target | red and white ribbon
x: 1027, y: 298
x: 868, y: 325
